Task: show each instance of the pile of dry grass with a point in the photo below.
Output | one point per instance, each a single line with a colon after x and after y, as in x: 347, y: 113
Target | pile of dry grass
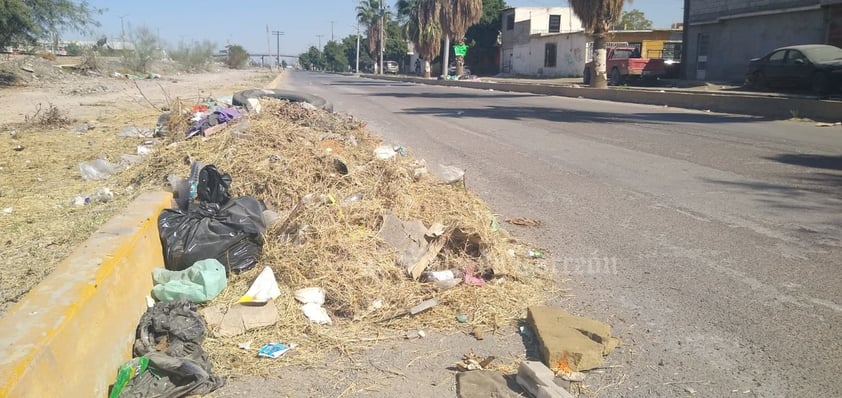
x: 291, y: 157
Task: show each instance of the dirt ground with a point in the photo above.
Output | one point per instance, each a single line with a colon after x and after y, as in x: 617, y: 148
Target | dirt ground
x: 40, y: 152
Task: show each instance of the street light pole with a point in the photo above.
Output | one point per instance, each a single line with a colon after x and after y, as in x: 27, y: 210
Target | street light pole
x: 331, y: 30
x: 357, y: 70
x: 382, y: 33
x: 320, y: 41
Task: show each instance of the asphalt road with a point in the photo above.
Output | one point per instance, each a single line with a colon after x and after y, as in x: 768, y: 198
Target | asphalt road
x: 724, y: 231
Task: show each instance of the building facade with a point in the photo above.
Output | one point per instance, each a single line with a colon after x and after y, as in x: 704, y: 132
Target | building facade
x: 539, y: 41
x: 723, y: 35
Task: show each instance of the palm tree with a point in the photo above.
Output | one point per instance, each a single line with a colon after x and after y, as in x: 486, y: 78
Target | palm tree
x: 456, y: 17
x: 372, y: 14
x: 424, y: 28
x: 597, y: 17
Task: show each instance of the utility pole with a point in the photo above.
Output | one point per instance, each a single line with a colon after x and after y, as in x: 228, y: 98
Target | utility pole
x: 331, y: 30
x: 123, y: 28
x: 320, y: 41
x: 358, y: 48
x: 278, y: 35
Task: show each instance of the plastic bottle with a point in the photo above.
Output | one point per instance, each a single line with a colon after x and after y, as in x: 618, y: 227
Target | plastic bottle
x: 433, y: 276
x: 128, y: 371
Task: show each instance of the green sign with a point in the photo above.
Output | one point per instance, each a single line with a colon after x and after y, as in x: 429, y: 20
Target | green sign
x: 460, y: 50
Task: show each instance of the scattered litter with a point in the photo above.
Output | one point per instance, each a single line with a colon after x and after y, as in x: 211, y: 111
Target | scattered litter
x: 207, y: 122
x: 424, y: 306
x: 450, y: 174
x: 150, y: 302
x: 98, y: 169
x: 27, y: 68
x: 409, y: 237
x: 199, y: 283
x: 462, y: 318
x: 170, y: 335
x: 415, y: 334
x: 823, y: 124
x: 316, y: 314
x: 81, y: 201
x: 264, y: 288
x: 311, y: 295
x: 8, y: 210
x: 478, y: 333
x: 690, y: 390
x: 531, y: 253
x: 103, y: 195
x: 145, y: 149
x: 523, y: 221
x: 18, y: 148
x: 82, y: 128
x: 385, y: 152
x: 245, y: 346
x: 128, y: 371
x: 274, y: 350
x: 446, y: 275
x: 471, y: 361
x: 241, y: 318
x: 471, y: 279
x: 537, y: 379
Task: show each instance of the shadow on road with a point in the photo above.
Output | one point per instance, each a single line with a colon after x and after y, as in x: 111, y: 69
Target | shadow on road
x: 471, y: 95
x: 578, y: 116
x: 815, y: 161
x: 370, y: 83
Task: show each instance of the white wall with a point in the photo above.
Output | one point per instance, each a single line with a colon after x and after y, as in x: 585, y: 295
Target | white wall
x: 539, y: 19
x: 528, y: 59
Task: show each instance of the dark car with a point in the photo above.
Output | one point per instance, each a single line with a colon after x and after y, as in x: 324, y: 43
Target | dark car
x: 814, y: 66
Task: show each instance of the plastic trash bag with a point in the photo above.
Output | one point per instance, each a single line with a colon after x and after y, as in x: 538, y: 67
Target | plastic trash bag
x: 170, y: 335
x: 203, y: 281
x: 98, y: 169
x: 231, y: 233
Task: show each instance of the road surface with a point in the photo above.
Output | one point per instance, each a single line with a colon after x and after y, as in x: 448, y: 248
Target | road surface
x: 723, y: 231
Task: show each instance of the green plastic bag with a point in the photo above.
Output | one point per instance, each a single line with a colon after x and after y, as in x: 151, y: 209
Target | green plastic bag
x: 200, y: 282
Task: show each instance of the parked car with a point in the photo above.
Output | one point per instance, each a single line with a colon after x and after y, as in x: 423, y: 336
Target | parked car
x: 814, y: 66
x: 624, y: 63
x: 391, y: 67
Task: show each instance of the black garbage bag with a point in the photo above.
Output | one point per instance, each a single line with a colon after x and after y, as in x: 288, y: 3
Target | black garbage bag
x: 213, y: 185
x: 231, y: 233
x: 170, y: 334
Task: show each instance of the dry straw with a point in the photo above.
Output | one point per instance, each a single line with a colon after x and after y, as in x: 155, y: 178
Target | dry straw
x: 295, y: 160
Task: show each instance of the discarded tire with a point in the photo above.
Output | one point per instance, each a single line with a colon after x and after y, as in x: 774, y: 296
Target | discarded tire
x: 242, y: 98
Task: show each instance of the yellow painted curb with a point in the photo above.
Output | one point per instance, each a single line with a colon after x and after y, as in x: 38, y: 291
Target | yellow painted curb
x: 276, y: 82
x: 69, y: 334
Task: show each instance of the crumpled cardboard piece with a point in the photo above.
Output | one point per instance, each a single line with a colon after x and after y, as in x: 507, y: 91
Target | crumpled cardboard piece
x: 241, y: 318
x: 410, y: 238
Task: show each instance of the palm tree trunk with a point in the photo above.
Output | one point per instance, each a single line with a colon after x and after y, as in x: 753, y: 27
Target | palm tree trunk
x: 460, y: 60
x: 382, y: 39
x: 445, y: 63
x: 599, y: 80
x: 427, y: 68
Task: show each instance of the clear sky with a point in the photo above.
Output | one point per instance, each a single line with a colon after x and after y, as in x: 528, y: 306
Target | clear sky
x: 245, y: 22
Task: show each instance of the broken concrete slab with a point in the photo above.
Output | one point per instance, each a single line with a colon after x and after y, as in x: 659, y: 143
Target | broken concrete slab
x: 569, y: 343
x: 241, y: 318
x: 538, y: 379
x: 415, y: 252
x: 213, y: 315
x: 483, y: 384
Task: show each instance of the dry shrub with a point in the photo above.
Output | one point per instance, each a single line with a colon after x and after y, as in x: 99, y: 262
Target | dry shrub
x: 52, y: 117
x: 47, y: 55
x: 327, y: 236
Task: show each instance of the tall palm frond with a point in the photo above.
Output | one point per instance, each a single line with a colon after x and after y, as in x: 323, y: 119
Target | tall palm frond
x: 425, y: 30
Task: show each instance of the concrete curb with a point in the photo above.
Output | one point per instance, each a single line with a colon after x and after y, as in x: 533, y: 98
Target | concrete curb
x: 68, y: 336
x: 776, y: 107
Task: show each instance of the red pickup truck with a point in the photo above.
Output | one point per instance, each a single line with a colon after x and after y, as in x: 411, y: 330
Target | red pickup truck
x: 625, y: 63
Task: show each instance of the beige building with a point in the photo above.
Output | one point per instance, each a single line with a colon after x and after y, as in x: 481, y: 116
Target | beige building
x: 540, y: 41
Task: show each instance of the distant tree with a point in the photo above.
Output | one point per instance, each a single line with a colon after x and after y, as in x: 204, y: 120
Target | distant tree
x: 482, y: 39
x: 396, y: 47
x: 335, y: 59
x: 311, y: 60
x: 284, y: 64
x: 424, y: 29
x: 633, y: 20
x: 26, y: 21
x: 456, y: 17
x: 372, y: 14
x: 237, y: 56
x: 74, y: 49
x: 195, y: 56
x: 146, y: 48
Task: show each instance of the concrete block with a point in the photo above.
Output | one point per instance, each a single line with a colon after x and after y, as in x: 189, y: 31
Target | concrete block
x: 570, y: 343
x: 536, y: 378
x: 69, y: 334
x: 483, y: 384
